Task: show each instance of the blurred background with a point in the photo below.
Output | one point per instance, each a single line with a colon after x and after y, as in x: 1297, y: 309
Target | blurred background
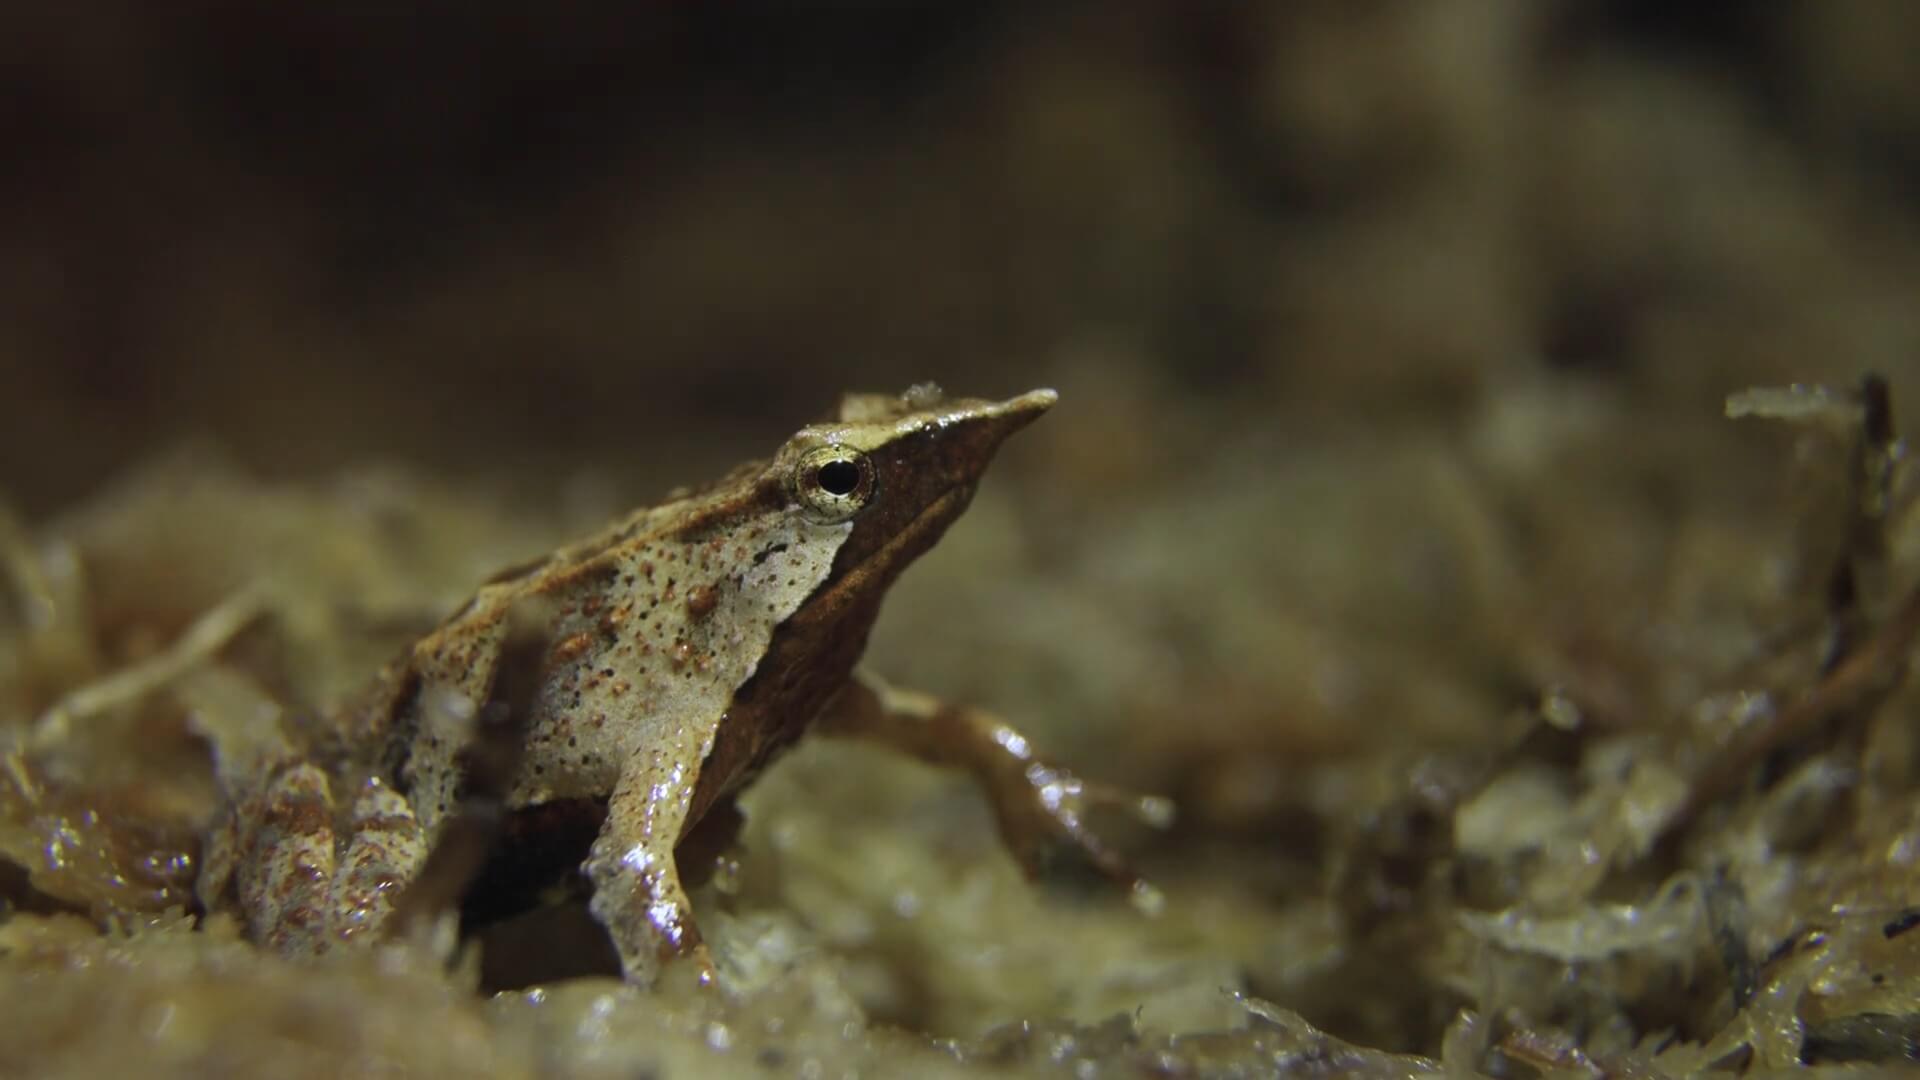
x: 1392, y: 340
x: 486, y: 236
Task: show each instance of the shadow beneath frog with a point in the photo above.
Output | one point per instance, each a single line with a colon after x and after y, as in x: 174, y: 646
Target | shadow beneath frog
x: 527, y: 907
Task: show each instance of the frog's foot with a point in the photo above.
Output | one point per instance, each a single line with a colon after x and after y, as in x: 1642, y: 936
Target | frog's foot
x: 1041, y: 807
x: 385, y: 851
x: 302, y: 887
x: 1042, y: 811
x: 285, y: 862
x: 647, y: 916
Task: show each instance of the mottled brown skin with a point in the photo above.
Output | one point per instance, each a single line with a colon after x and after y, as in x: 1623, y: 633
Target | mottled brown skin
x: 683, y: 648
x: 813, y: 654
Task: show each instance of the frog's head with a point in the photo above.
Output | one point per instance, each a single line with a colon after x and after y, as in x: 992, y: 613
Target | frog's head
x: 898, y: 470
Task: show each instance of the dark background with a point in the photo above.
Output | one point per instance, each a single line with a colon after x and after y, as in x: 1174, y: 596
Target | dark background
x: 507, y: 239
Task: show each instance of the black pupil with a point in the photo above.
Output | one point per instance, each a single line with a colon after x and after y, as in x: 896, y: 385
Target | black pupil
x: 839, y: 477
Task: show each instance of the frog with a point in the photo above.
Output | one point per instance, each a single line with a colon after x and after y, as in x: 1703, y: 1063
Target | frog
x: 652, y: 671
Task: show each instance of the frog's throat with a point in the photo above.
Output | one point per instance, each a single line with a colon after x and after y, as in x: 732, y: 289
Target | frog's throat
x: 873, y: 569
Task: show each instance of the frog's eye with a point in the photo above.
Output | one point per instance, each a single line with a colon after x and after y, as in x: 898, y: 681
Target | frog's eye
x: 833, y: 483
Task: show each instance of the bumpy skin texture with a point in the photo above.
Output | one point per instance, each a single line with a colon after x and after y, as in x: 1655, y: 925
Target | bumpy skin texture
x: 683, y: 647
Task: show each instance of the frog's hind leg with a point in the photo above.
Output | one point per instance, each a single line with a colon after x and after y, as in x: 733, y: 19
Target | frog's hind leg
x: 438, y: 878
x: 1041, y: 807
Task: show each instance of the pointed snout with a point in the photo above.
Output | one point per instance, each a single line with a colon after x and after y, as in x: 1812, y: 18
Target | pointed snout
x: 970, y: 432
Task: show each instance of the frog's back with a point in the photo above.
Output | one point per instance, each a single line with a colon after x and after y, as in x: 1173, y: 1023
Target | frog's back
x: 649, y: 627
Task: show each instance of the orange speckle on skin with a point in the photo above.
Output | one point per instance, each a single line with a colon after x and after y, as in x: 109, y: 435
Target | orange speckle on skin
x: 571, y: 647
x: 701, y: 600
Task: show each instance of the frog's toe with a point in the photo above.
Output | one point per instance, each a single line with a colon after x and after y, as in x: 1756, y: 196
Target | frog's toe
x: 1153, y: 811
x: 383, y: 855
x: 1068, y: 857
x: 286, y: 881
x: 1044, y: 821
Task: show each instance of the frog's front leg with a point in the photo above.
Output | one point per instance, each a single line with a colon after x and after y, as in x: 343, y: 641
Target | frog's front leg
x: 637, y: 894
x: 1041, y: 807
